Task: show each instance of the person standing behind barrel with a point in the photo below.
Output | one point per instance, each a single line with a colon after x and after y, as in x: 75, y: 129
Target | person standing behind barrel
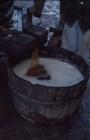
x: 76, y: 33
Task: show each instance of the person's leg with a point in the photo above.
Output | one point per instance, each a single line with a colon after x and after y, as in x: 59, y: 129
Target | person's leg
x: 38, y: 8
x: 60, y: 25
x: 62, y: 9
x: 35, y: 12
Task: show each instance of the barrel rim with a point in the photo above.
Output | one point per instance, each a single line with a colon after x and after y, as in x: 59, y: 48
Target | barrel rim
x: 48, y: 54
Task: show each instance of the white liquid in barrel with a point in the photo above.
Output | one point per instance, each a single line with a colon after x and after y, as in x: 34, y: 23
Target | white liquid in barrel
x: 62, y: 73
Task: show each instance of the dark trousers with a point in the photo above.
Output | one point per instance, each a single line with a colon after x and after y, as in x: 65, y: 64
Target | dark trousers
x: 64, y: 6
x: 38, y: 7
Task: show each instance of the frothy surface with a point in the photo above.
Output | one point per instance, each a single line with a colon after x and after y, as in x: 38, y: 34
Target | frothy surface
x: 62, y: 73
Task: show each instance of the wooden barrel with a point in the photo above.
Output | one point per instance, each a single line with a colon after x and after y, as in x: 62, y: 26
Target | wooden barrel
x: 49, y: 105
